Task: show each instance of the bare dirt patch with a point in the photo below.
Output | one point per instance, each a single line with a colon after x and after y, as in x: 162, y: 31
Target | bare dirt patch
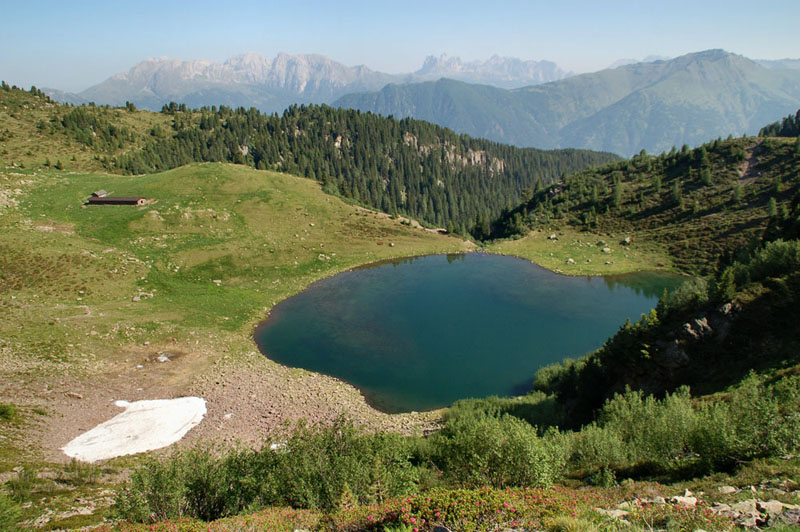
x: 249, y: 399
x: 748, y: 170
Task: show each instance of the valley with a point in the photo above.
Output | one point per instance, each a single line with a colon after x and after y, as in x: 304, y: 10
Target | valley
x: 96, y: 297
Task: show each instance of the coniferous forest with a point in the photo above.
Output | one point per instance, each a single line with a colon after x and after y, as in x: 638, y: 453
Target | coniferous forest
x: 405, y: 167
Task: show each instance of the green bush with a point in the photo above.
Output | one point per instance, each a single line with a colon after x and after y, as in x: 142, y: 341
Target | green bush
x: 319, y: 461
x: 477, y: 449
x: 313, y: 469
x: 673, y: 433
x: 155, y: 491
x: 536, y: 408
x: 775, y: 259
x: 595, y: 448
x: 7, y: 411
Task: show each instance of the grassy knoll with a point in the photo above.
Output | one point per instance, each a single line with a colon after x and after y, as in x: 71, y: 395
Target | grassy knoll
x: 586, y: 251
x: 217, y: 246
x: 89, y: 296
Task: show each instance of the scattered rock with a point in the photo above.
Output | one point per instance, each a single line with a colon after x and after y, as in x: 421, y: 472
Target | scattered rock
x: 725, y: 490
x: 606, y: 250
x: 616, y: 514
x: 627, y: 241
x: 217, y: 282
x: 771, y: 507
x: 686, y: 502
x: 789, y: 516
x: 570, y: 261
x: 74, y: 395
x: 552, y: 237
x: 163, y: 357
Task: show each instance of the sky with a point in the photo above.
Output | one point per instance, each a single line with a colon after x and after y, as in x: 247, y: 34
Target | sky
x: 74, y: 45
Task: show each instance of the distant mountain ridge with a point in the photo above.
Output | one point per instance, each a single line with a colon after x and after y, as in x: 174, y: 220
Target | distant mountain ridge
x: 253, y: 80
x: 504, y: 72
x: 248, y: 80
x: 651, y: 106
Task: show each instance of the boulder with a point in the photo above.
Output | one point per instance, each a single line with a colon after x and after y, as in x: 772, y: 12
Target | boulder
x: 616, y: 514
x: 745, y: 507
x: 686, y: 502
x: 770, y: 507
x: 701, y: 326
x: 726, y: 490
x: 789, y: 516
x: 672, y: 356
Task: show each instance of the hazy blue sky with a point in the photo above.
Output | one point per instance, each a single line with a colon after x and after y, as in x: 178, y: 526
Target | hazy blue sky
x: 72, y: 45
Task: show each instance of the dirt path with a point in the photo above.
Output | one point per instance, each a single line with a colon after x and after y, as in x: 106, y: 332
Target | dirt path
x: 748, y: 169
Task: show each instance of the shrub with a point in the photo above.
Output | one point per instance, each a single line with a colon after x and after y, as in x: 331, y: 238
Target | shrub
x: 315, y: 467
x: 155, y: 491
x: 777, y: 258
x: 595, y: 448
x: 7, y: 411
x: 319, y: 461
x: 477, y: 449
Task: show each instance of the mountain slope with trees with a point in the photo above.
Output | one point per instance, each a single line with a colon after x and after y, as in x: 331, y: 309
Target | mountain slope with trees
x: 728, y: 210
x: 400, y: 167
x: 652, y: 106
x: 698, y: 203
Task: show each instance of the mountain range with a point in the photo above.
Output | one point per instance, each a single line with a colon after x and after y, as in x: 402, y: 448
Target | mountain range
x: 653, y: 105
x: 252, y: 80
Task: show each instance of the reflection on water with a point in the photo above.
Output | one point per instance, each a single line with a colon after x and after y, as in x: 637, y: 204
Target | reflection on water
x: 419, y: 333
x: 645, y: 285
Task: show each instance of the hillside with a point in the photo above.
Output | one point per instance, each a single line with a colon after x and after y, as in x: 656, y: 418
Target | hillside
x: 92, y: 297
x: 726, y: 210
x: 101, y: 303
x: 651, y: 106
x: 696, y: 204
x: 407, y: 167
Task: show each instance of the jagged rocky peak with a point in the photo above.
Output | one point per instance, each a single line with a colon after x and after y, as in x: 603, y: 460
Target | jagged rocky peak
x: 507, y: 72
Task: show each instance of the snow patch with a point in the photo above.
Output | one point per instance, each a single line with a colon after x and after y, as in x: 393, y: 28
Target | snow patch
x: 143, y: 426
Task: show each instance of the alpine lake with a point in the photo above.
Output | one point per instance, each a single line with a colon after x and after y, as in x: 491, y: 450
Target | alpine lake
x: 420, y: 333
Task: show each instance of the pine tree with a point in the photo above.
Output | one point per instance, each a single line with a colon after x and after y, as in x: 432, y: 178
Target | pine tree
x: 677, y: 196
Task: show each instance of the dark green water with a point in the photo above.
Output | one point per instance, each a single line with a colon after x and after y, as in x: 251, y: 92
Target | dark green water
x: 417, y: 334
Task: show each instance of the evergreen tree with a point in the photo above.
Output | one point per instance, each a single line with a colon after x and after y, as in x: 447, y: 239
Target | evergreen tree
x: 676, y: 195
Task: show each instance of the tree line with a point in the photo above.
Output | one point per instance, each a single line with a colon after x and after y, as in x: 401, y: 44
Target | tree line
x: 404, y: 167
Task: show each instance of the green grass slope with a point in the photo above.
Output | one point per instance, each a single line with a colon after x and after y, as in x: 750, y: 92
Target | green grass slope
x: 215, y: 246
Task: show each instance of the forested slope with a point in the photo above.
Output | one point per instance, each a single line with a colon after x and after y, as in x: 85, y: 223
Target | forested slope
x: 405, y: 167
